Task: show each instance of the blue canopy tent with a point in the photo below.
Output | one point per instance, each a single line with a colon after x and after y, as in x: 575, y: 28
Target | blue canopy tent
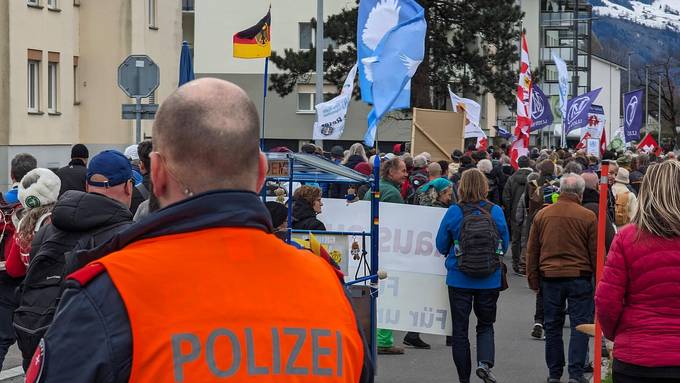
x: 314, y: 169
x: 186, y: 67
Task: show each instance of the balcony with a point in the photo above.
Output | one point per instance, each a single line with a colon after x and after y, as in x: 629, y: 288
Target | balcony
x: 188, y: 5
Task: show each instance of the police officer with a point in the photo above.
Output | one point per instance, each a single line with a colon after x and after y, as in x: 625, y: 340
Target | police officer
x: 202, y: 291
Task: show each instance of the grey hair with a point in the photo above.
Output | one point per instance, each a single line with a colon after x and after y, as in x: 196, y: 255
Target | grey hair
x: 573, y: 184
x: 573, y: 167
x: 419, y: 161
x: 485, y: 166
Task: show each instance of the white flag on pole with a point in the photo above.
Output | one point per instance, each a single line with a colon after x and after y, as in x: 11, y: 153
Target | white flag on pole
x: 472, y: 112
x: 330, y: 115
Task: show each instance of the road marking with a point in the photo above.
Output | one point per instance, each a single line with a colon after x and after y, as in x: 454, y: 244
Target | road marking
x: 11, y: 373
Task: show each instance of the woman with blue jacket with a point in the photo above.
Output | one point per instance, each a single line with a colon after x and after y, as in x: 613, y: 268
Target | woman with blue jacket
x: 467, y: 292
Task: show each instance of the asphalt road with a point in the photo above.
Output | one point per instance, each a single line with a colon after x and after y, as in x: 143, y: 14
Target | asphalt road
x: 519, y: 357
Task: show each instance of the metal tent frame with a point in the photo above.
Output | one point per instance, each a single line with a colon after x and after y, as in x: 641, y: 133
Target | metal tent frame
x: 311, y: 168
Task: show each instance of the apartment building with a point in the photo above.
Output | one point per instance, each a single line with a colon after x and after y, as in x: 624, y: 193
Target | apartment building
x: 209, y: 26
x: 58, y: 72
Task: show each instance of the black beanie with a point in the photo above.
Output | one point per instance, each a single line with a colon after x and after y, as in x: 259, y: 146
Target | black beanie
x: 79, y: 151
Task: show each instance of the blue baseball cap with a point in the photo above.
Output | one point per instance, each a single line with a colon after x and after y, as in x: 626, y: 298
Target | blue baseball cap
x: 111, y: 164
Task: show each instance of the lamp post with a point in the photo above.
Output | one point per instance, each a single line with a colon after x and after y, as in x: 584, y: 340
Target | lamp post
x: 629, y: 54
x: 647, y: 97
x: 319, y: 57
x: 659, y: 89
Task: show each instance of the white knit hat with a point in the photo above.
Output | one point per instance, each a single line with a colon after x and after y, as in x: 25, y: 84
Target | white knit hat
x: 39, y: 187
x: 131, y: 152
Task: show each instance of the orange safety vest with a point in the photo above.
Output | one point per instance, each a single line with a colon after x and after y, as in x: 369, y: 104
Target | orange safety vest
x: 234, y: 305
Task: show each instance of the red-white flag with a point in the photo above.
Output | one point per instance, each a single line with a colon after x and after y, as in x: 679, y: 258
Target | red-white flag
x: 603, y: 143
x: 649, y: 145
x: 523, y: 123
x: 482, y: 143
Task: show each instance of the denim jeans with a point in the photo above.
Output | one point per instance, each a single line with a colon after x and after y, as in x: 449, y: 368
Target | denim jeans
x: 577, y: 293
x: 8, y: 303
x: 463, y: 301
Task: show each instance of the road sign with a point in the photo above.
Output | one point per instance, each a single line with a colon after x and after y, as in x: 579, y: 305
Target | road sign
x: 138, y: 76
x: 147, y: 111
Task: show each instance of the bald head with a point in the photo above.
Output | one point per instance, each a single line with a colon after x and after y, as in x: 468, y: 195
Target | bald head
x: 207, y: 131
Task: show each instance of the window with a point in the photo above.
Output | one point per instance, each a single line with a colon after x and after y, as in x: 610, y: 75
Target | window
x: 305, y: 102
x: 52, y: 4
x: 306, y: 38
x: 33, y: 83
x: 34, y: 3
x: 52, y: 86
x: 152, y: 13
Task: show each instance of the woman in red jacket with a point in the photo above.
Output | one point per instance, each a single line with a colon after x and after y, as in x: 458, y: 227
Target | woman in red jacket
x: 638, y: 298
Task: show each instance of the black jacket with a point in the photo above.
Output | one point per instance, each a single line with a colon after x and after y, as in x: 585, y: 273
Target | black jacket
x: 72, y: 176
x: 79, y: 221
x: 91, y: 338
x: 354, y: 160
x: 591, y: 201
x: 137, y: 196
x: 513, y: 191
x: 304, y: 217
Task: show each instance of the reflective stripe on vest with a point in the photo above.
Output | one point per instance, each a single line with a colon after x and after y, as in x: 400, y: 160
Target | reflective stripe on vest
x: 234, y: 304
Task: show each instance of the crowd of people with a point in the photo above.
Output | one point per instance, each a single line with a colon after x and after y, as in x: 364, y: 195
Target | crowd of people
x: 99, y: 252
x: 545, y: 216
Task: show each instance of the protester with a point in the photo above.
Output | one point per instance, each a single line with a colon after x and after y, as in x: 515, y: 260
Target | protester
x: 392, y: 175
x: 142, y: 189
x: 639, y: 167
x: 494, y: 195
x: 306, y: 206
x: 466, y: 163
x: 337, y: 154
x: 79, y: 221
x: 72, y: 176
x: 464, y: 233
x: 10, y: 279
x: 357, y: 154
x: 444, y: 167
x: 561, y: 258
x: 513, y: 191
x: 136, y: 297
x: 591, y: 201
x: 132, y: 154
x: 279, y: 214
x: 21, y: 164
x: 638, y: 298
x: 436, y: 193
x: 455, y: 163
x: 434, y: 171
x: 624, y: 199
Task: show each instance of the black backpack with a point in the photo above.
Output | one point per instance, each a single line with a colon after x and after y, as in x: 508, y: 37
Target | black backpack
x: 479, y: 242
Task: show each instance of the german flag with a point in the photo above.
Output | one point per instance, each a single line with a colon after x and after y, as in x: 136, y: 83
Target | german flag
x: 254, y: 42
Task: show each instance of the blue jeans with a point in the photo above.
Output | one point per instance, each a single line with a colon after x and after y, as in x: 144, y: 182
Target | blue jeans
x: 8, y: 303
x: 578, y: 294
x: 463, y: 301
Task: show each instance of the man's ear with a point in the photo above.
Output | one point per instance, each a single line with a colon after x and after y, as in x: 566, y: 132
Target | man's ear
x: 159, y: 174
x: 262, y: 168
x: 128, y: 187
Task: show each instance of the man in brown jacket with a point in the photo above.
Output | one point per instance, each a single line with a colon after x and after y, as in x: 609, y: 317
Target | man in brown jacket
x: 561, y: 256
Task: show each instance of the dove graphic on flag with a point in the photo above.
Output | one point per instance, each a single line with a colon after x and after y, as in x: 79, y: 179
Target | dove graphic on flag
x: 396, y: 28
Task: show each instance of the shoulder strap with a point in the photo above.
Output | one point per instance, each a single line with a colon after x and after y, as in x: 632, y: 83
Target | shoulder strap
x: 143, y: 190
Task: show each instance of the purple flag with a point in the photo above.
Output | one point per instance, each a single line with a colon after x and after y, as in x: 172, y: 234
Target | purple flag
x: 577, y: 110
x: 541, y: 115
x: 632, y: 115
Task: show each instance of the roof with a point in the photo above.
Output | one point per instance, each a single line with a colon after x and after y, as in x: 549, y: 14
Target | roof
x: 311, y: 168
x: 607, y: 61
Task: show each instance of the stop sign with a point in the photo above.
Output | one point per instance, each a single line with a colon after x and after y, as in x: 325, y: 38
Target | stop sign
x: 138, y: 76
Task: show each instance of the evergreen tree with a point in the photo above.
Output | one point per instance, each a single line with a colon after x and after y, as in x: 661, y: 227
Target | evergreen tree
x: 471, y: 45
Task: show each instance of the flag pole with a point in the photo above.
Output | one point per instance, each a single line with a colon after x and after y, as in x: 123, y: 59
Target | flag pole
x: 264, y: 101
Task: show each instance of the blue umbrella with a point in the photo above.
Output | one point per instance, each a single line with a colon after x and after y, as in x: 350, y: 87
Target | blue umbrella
x: 186, y: 67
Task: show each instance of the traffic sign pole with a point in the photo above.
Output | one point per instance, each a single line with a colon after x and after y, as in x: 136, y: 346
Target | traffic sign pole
x: 138, y: 117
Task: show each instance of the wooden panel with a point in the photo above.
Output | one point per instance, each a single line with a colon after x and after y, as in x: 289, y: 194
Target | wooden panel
x: 53, y: 57
x: 438, y: 132
x: 34, y: 54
